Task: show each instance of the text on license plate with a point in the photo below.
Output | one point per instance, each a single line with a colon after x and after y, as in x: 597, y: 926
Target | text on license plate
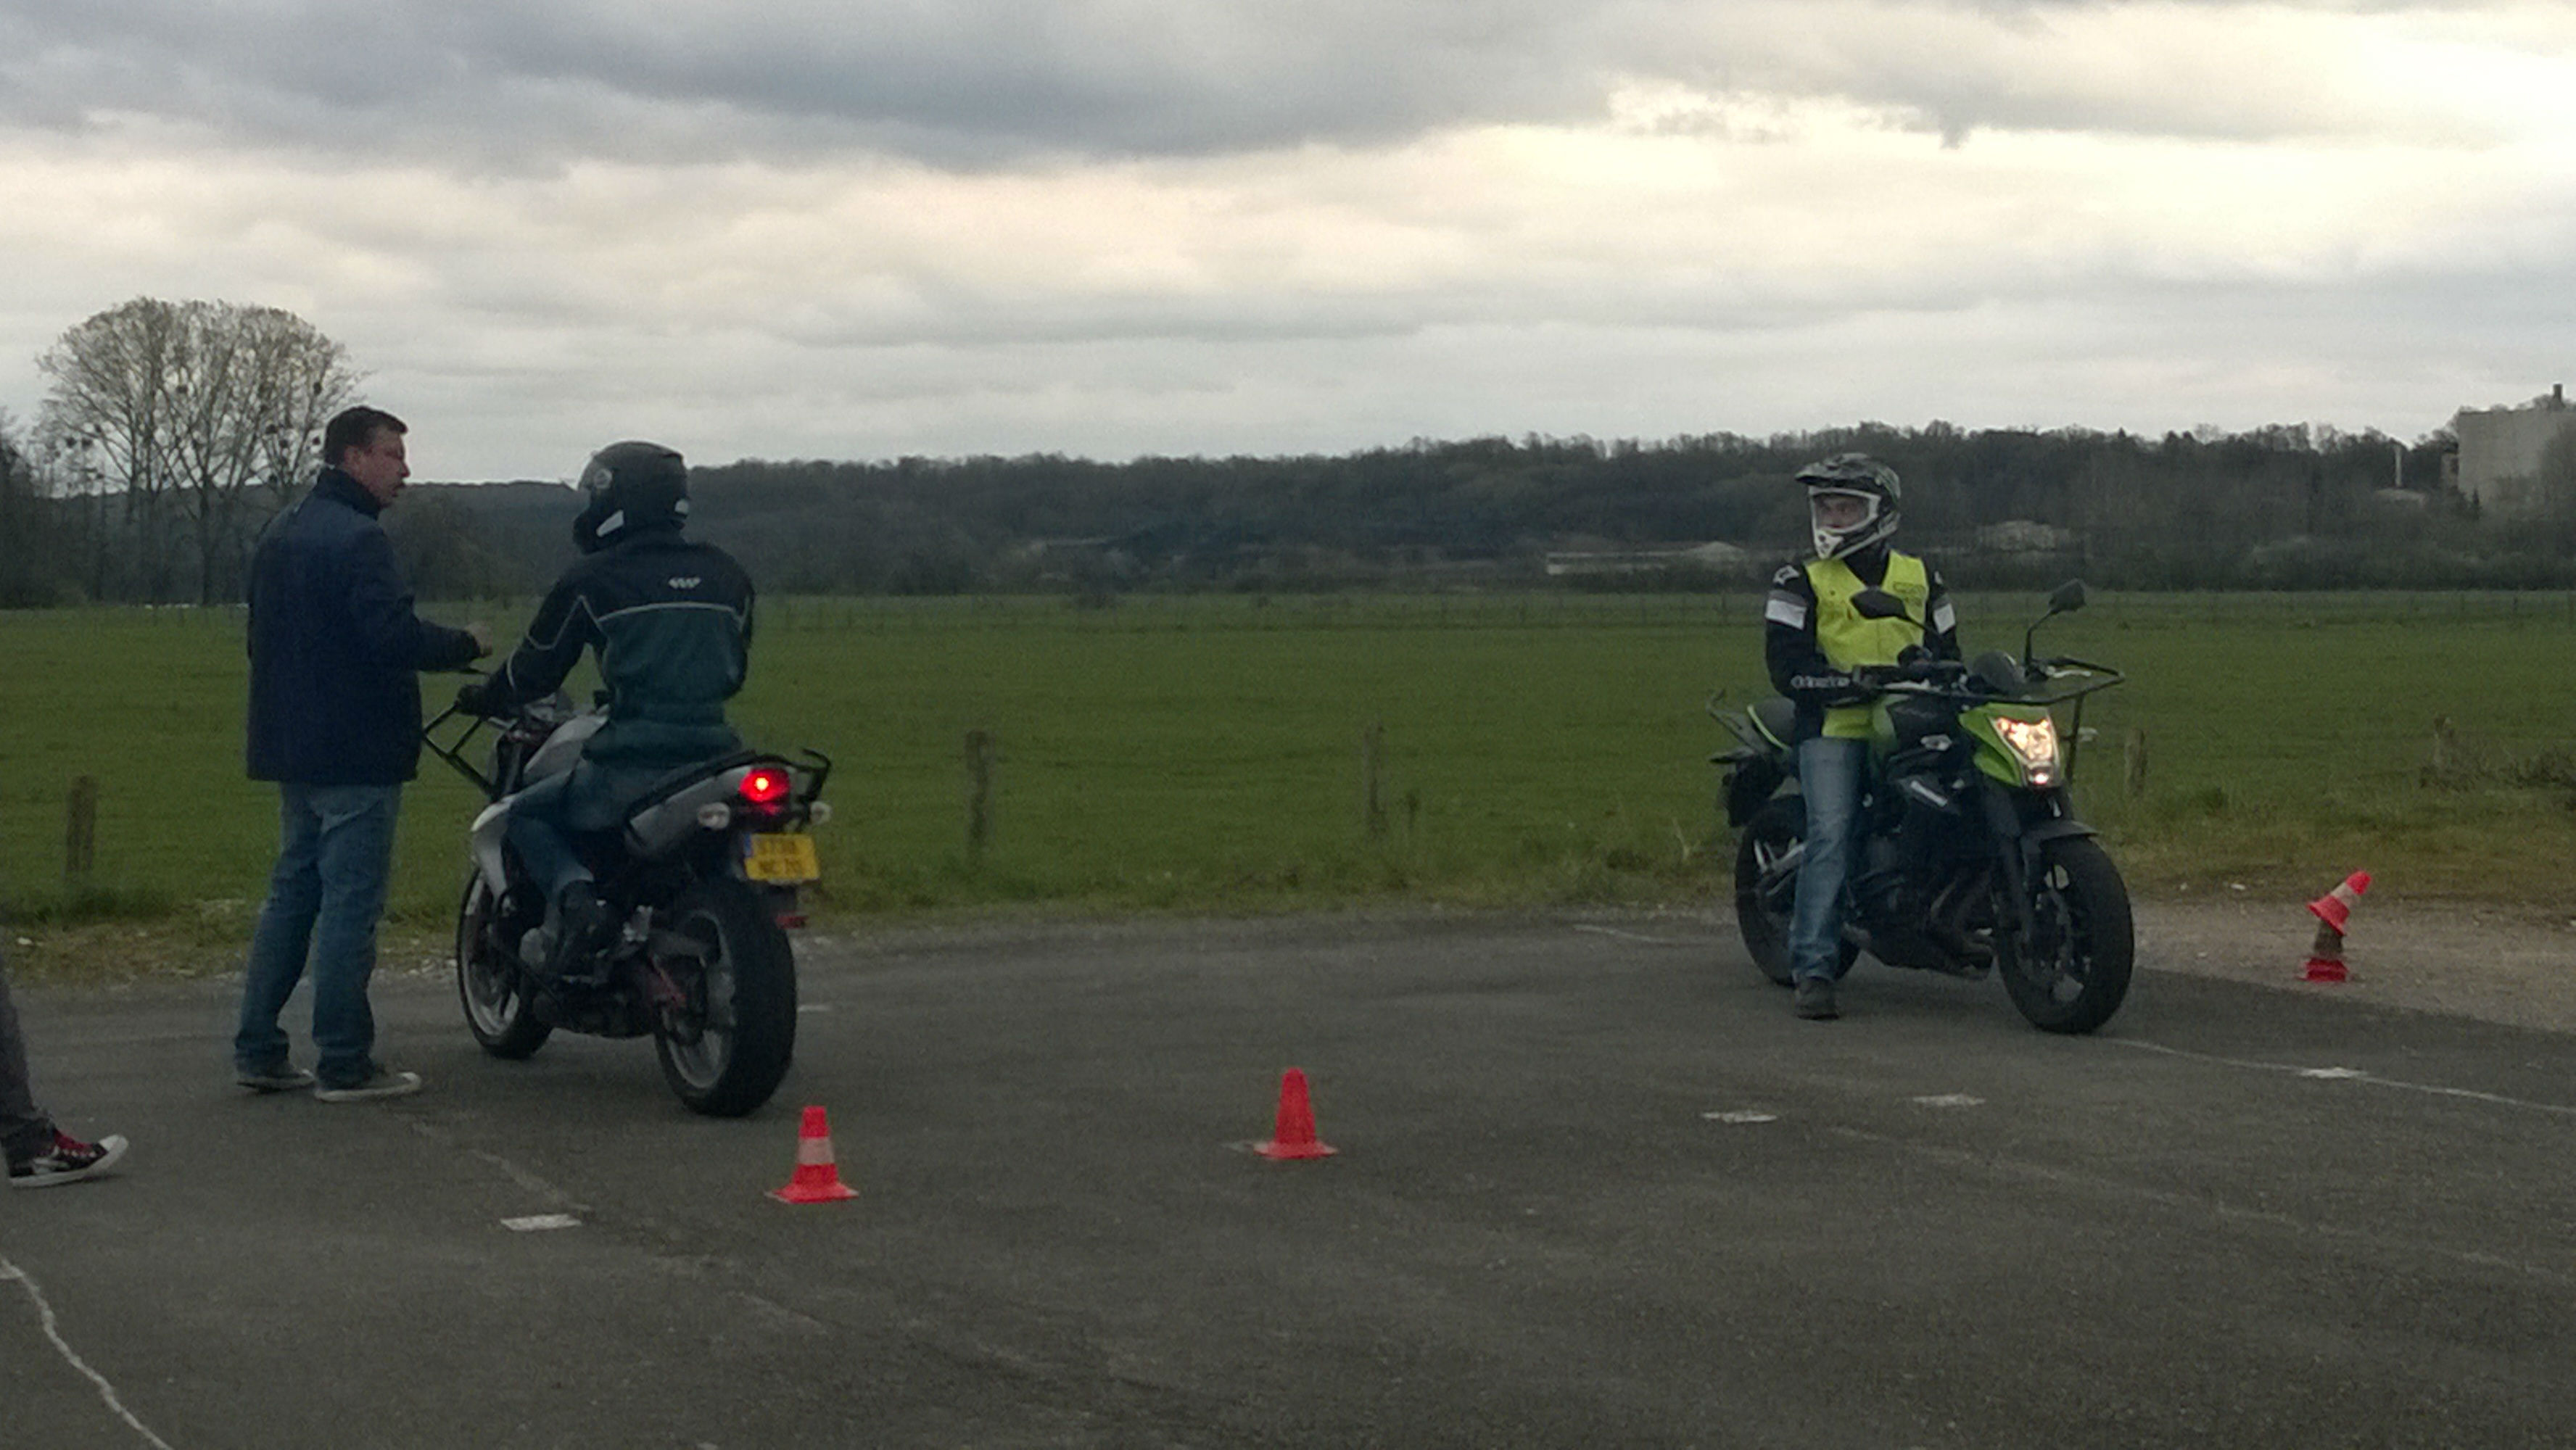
x: 780, y: 856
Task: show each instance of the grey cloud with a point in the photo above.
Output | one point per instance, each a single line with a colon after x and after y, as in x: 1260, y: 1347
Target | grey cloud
x: 481, y: 84
x: 955, y: 81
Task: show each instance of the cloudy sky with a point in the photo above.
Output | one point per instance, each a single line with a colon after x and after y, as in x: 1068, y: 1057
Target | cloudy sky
x: 865, y: 228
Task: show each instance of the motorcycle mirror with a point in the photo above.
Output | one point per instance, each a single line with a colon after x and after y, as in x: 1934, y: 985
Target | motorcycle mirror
x: 1879, y: 604
x: 2068, y: 598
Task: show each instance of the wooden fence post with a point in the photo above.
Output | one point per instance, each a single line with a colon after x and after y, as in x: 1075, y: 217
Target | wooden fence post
x: 80, y: 832
x: 981, y: 753
x: 2134, y: 774
x: 1373, y: 781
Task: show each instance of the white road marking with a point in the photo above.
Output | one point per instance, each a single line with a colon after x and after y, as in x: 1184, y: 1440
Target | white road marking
x: 1660, y: 941
x: 1742, y: 1115
x: 2349, y: 1074
x: 1948, y: 1100
x: 537, y: 1222
x: 53, y: 1332
x: 804, y: 1007
x: 2393, y: 1244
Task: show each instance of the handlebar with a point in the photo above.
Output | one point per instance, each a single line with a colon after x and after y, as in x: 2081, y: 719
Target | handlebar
x: 1960, y: 690
x: 454, y: 754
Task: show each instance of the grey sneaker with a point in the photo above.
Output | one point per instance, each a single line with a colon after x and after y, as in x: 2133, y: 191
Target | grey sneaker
x: 1815, y: 999
x: 282, y: 1078
x: 67, y: 1160
x: 382, y: 1083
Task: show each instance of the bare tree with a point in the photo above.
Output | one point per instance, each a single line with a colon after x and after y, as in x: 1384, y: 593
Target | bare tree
x: 203, y: 415
x: 26, y: 562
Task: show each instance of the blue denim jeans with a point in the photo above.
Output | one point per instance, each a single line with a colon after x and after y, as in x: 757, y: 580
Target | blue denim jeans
x: 335, y: 852
x: 585, y: 800
x: 25, y: 1131
x: 1829, y: 776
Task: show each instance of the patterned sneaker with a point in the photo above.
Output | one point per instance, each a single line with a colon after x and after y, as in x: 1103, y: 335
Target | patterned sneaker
x: 380, y: 1083
x: 284, y: 1077
x: 67, y: 1160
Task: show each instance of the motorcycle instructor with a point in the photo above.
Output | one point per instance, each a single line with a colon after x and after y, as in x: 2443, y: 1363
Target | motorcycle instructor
x: 670, y: 621
x: 1821, y: 653
x: 335, y: 656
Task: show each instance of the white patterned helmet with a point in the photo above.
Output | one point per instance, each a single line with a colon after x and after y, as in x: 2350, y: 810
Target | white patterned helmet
x: 1851, y: 476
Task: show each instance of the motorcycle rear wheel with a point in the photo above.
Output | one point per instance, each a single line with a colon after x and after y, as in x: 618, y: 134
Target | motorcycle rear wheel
x: 725, y: 1051
x: 1763, y: 920
x: 490, y: 984
x: 2076, y: 974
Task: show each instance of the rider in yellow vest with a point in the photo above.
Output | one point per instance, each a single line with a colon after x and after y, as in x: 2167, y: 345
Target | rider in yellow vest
x: 1821, y: 652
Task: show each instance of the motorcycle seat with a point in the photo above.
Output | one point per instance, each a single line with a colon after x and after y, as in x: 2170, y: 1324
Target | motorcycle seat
x: 690, y: 774
x: 1776, y: 717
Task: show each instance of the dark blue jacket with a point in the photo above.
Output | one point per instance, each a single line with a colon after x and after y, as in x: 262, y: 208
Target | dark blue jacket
x: 335, y: 648
x: 670, y: 621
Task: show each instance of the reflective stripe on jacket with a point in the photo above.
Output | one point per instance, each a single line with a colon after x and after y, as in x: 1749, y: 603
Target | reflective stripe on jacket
x: 670, y: 621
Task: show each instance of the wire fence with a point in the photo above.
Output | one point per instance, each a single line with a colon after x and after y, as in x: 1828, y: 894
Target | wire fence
x: 1181, y: 612
x: 1149, y: 613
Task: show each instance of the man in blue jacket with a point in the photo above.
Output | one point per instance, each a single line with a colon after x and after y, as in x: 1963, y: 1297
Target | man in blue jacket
x: 335, y: 655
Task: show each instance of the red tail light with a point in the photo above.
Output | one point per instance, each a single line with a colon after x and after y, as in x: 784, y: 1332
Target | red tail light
x: 765, y: 786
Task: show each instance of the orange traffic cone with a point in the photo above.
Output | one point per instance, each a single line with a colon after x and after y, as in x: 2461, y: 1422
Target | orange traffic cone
x: 818, y: 1177
x: 2335, y: 907
x: 1293, y: 1135
x: 2333, y: 912
x: 2325, y: 956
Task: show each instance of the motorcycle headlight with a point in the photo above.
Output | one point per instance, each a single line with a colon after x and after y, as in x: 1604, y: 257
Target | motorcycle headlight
x: 2035, y: 743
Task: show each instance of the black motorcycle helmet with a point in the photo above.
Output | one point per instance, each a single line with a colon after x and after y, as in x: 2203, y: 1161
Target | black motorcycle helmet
x: 630, y: 487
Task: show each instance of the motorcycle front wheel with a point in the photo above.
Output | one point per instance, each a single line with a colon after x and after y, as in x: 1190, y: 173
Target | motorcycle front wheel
x: 727, y: 1042
x: 1765, y: 898
x: 2074, y: 971
x: 490, y: 984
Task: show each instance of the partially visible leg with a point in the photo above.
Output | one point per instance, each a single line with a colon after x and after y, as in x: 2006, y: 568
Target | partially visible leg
x: 536, y: 832
x: 279, y: 943
x: 354, y: 861
x: 39, y: 1154
x: 540, y: 832
x: 25, y: 1131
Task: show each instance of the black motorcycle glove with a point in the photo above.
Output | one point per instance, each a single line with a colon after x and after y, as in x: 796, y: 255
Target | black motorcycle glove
x: 474, y: 697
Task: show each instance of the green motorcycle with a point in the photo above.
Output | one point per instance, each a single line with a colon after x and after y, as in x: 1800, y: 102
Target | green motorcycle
x: 1968, y: 857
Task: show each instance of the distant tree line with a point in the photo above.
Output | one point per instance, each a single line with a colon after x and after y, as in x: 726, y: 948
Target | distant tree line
x: 2273, y: 508
x: 171, y: 432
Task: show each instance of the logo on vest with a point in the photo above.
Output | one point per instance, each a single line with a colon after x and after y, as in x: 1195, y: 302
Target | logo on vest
x: 686, y: 581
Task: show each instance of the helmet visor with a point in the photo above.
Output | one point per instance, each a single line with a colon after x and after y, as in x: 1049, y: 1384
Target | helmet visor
x: 1842, y: 518
x: 1842, y: 511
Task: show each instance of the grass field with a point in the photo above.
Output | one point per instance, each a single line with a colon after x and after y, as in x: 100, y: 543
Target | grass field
x: 1204, y: 753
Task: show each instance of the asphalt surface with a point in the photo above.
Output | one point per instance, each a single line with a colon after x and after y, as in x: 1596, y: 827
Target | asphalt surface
x: 1595, y: 1186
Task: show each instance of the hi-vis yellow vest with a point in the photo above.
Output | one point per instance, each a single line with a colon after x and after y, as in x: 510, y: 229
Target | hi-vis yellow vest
x: 1849, y: 640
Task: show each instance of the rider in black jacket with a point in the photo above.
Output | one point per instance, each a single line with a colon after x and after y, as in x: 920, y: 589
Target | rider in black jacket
x: 670, y: 620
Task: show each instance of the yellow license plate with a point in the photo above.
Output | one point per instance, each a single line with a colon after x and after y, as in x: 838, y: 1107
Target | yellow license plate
x: 781, y: 856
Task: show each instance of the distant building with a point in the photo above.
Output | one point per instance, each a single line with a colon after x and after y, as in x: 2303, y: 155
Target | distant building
x: 2501, y: 449
x: 2027, y: 536
x: 1715, y: 558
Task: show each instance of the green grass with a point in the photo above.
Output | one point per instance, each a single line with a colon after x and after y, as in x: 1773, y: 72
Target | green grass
x: 1203, y: 753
